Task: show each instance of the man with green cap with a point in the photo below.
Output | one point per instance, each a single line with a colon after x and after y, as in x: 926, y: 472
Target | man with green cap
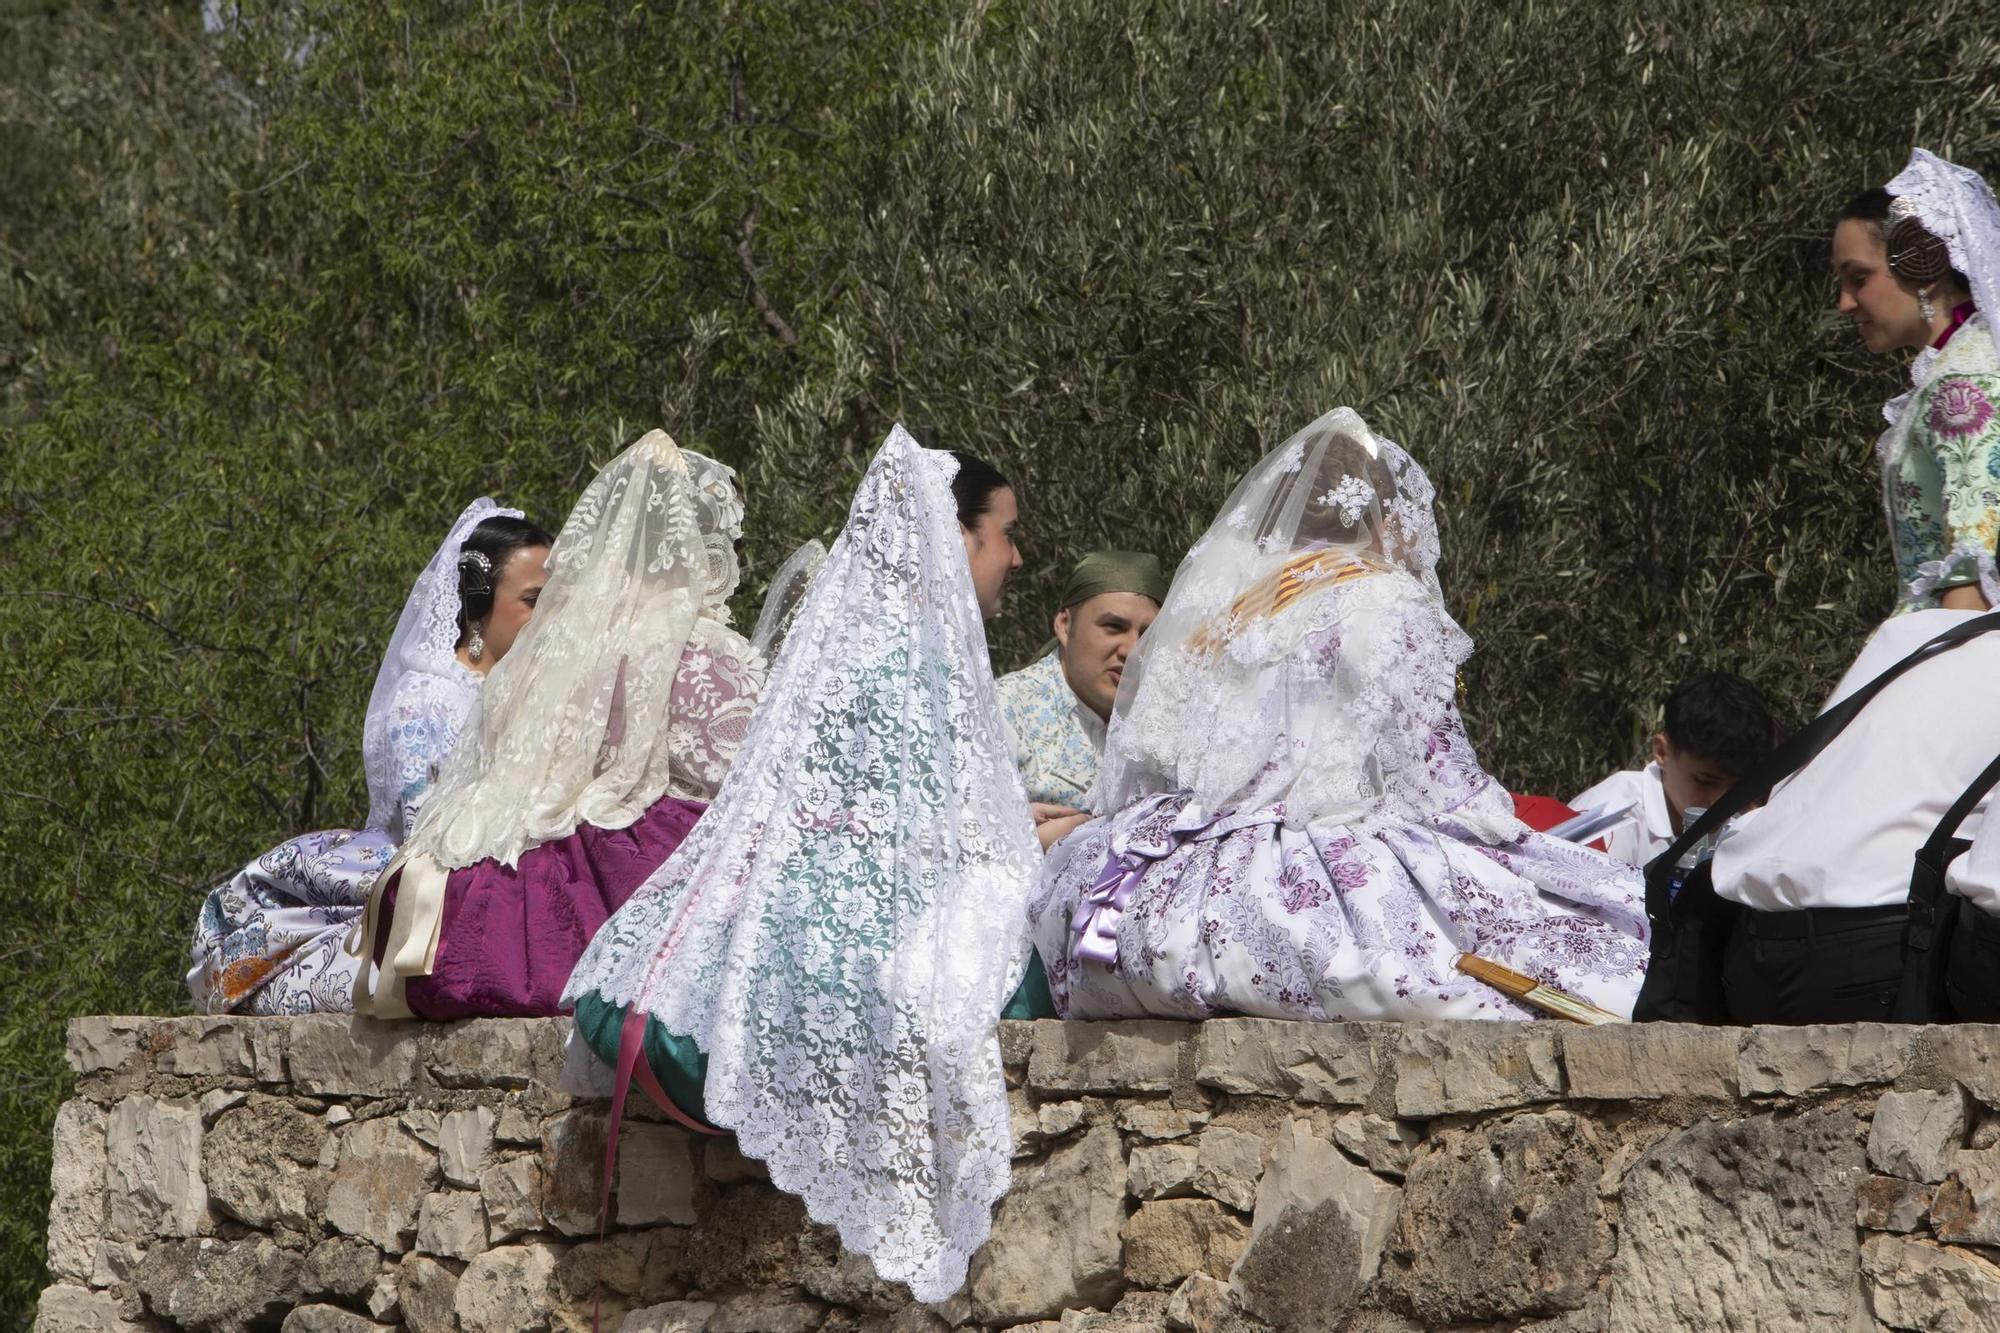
x: 1058, y: 708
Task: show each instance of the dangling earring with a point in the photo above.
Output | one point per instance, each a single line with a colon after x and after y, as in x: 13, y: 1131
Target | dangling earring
x: 1924, y: 306
x: 475, y: 647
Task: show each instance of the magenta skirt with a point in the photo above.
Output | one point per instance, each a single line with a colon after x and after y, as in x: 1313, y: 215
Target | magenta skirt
x: 512, y: 935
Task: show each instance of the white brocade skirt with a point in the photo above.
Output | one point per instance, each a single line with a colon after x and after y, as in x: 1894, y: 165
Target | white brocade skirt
x: 1164, y: 910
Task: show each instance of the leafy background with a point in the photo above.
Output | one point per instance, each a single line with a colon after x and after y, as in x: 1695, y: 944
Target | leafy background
x: 281, y: 286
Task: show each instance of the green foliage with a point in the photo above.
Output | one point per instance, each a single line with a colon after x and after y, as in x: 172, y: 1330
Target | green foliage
x: 275, y: 303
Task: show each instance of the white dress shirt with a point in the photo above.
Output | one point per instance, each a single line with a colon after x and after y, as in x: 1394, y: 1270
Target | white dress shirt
x: 1844, y: 831
x: 1642, y: 794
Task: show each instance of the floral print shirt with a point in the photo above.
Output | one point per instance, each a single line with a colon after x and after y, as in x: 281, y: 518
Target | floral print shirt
x: 1057, y: 741
x: 1942, y: 474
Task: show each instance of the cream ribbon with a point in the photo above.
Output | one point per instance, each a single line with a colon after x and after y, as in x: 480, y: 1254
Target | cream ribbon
x: 413, y: 929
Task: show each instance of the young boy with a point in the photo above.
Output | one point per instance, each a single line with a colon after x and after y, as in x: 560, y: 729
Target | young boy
x: 1717, y: 727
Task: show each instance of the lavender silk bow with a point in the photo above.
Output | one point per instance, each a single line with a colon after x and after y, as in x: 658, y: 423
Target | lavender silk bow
x: 1095, y: 921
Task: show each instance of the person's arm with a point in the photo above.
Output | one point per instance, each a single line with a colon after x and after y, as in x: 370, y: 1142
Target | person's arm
x: 1960, y: 425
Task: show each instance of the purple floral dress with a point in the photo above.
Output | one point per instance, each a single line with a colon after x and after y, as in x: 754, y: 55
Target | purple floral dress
x: 1348, y: 893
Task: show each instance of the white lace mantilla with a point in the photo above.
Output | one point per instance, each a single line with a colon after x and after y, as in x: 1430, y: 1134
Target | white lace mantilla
x: 422, y: 692
x: 841, y: 930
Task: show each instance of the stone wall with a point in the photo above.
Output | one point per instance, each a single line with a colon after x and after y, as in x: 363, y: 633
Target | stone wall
x: 319, y: 1175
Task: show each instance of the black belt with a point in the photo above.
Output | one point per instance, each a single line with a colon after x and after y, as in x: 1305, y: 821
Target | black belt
x: 1807, y: 921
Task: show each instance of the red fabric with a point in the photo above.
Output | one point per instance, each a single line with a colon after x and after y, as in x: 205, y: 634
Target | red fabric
x: 1540, y: 813
x: 1959, y: 314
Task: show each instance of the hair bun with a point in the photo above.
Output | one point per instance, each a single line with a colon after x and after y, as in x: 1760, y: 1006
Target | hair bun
x: 1915, y: 255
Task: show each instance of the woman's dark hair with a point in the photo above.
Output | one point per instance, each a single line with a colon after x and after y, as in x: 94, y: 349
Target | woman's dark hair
x: 973, y: 487
x: 1914, y: 254
x: 495, y: 539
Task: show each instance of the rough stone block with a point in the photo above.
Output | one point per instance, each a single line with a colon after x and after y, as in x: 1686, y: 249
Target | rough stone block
x: 1161, y: 1170
x: 1167, y: 1240
x: 1967, y: 1206
x: 512, y: 1190
x: 1055, y: 1241
x: 152, y: 1172
x: 834, y: 1275
x: 1520, y: 1193
x: 381, y: 1177
x: 328, y: 1319
x: 765, y: 1312
x: 428, y: 1294
x: 1159, y: 1119
x: 1767, y: 1201
x: 724, y: 1163
x: 1229, y: 1165
x: 1450, y: 1068
x: 452, y: 1223
x: 261, y: 1162
x: 1317, y: 1235
x: 487, y: 1053
x: 225, y: 1286
x: 219, y: 1047
x: 1633, y: 1061
x: 749, y: 1238
x: 1970, y: 1053
x: 517, y: 1128
x: 1325, y: 1063
x: 1794, y: 1060
x: 464, y: 1140
x: 1915, y: 1284
x: 670, y: 1317
x: 506, y: 1290
x: 102, y: 1044
x: 1915, y: 1135
x: 340, y: 1268
x: 67, y: 1309
x: 1136, y: 1056
x: 116, y: 1262
x: 1382, y: 1144
x: 627, y: 1270
x: 1889, y: 1203
x: 573, y: 1170
x: 342, y: 1056
x: 1200, y: 1304
x: 76, y: 1179
x: 656, y: 1176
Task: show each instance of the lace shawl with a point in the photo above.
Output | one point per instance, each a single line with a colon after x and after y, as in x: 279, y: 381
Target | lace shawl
x: 841, y: 930
x: 1304, y: 657
x: 421, y: 690
x: 579, y: 720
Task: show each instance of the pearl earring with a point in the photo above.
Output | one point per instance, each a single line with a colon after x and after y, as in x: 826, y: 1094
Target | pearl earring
x: 476, y: 647
x: 1924, y: 306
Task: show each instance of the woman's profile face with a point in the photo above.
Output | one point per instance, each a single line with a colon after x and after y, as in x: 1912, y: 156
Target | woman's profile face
x: 515, y: 593
x: 990, y: 550
x: 1883, y: 307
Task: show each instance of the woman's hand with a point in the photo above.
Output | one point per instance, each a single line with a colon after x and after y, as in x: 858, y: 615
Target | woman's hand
x: 1044, y: 812
x: 1051, y: 831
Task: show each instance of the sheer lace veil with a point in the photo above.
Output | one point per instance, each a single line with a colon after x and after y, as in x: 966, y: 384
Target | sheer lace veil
x: 842, y: 928
x: 1296, y: 631
x: 425, y: 641
x: 574, y: 723
x: 784, y: 597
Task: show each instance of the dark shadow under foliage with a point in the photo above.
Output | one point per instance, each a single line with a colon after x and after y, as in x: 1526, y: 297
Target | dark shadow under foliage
x: 277, y: 301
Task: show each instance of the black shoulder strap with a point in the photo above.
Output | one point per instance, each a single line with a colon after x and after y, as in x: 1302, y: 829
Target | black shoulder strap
x: 1968, y: 800
x: 1795, y: 753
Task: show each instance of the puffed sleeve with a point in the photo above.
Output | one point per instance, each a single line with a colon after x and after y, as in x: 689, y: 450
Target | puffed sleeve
x: 715, y: 691
x: 424, y: 724
x: 1959, y: 424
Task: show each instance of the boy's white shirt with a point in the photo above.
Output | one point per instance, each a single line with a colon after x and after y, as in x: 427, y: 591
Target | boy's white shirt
x: 1642, y: 794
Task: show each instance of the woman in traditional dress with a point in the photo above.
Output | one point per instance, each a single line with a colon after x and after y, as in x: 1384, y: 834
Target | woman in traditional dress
x: 1291, y: 821
x: 1918, y: 265
x: 600, y: 740
x: 821, y: 965
x: 269, y: 940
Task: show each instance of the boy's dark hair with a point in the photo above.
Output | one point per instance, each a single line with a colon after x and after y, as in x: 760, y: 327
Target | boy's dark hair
x: 1722, y: 718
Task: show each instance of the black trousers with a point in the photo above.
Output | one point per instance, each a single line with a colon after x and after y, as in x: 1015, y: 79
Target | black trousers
x: 1821, y: 965
x: 1973, y: 981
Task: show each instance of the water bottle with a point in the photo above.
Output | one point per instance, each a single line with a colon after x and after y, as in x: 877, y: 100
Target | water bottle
x: 1691, y: 859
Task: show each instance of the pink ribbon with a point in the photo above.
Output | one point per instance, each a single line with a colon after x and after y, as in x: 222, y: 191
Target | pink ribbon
x: 1094, y: 923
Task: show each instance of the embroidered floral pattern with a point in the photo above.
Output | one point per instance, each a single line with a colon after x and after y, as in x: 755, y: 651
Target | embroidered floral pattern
x: 1057, y: 760
x: 1959, y: 408
x: 1941, y: 480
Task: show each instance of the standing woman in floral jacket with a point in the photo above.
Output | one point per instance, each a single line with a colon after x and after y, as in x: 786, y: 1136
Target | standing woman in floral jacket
x: 1918, y: 264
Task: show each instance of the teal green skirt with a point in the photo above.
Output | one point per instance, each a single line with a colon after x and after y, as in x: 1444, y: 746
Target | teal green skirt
x: 682, y: 1068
